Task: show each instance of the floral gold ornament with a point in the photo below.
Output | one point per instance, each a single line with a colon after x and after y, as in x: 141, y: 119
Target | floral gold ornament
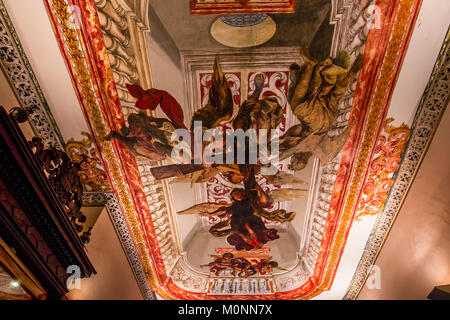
x: 389, y: 149
x: 93, y: 178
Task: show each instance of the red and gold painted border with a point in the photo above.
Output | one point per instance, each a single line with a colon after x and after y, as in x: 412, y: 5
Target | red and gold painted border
x: 87, y: 60
x: 202, y: 7
x: 390, y: 146
x: 385, y: 51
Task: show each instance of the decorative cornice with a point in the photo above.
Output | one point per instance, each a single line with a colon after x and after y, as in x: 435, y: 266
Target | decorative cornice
x: 87, y: 60
x: 432, y: 106
x: 23, y: 80
x: 120, y: 225
x: 403, y: 20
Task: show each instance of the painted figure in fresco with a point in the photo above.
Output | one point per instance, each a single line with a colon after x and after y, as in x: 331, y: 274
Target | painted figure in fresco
x: 253, y: 114
x: 240, y: 266
x: 259, y: 114
x: 220, y: 264
x: 220, y: 106
x: 244, y: 229
x: 314, y: 96
x: 243, y: 224
x: 152, y: 98
x: 146, y: 136
x: 266, y: 266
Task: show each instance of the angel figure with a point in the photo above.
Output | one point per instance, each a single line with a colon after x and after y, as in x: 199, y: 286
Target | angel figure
x: 240, y: 266
x: 220, y: 263
x: 220, y: 106
x: 152, y: 137
x: 243, y: 224
x: 146, y: 136
x: 314, y: 98
x: 258, y: 113
x: 254, y: 114
x: 267, y: 265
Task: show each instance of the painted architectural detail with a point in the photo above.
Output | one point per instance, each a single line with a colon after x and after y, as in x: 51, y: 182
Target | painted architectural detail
x: 234, y: 82
x: 388, y: 152
x: 293, y: 279
x: 160, y: 213
x: 116, y: 34
x: 92, y: 174
x: 432, y: 106
x: 18, y: 69
x: 242, y: 6
x: 348, y: 16
x: 231, y: 286
x: 187, y: 278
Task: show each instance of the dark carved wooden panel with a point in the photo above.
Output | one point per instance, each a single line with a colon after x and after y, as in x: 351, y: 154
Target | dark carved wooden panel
x: 32, y: 219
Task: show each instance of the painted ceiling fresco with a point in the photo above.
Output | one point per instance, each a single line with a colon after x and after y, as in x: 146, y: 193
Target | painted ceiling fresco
x: 241, y: 145
x: 272, y: 139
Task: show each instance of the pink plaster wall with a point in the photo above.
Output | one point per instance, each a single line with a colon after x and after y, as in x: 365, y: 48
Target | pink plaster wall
x: 416, y: 255
x: 114, y: 279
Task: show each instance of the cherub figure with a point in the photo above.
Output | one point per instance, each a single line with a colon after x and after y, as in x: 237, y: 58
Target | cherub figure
x: 243, y: 225
x: 242, y: 268
x: 220, y: 264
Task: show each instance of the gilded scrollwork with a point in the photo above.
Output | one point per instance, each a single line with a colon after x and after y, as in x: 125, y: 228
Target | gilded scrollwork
x: 389, y: 149
x: 92, y: 175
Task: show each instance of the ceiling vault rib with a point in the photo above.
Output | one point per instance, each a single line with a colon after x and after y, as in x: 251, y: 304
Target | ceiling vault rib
x: 130, y: 63
x: 120, y: 26
x: 432, y: 106
x: 23, y: 80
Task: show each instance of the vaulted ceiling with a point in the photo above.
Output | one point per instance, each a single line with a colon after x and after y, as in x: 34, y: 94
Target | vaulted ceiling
x: 193, y: 32
x: 340, y: 224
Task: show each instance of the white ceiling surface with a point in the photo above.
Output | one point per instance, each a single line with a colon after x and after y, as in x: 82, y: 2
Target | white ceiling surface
x: 35, y: 32
x: 426, y: 41
x: 429, y: 33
